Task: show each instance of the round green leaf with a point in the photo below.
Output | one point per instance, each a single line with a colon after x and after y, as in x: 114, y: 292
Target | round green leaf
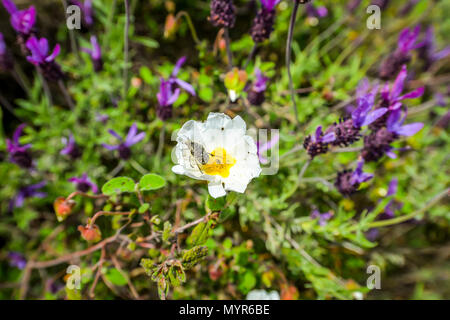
x: 151, y: 181
x: 118, y: 185
x: 115, y: 277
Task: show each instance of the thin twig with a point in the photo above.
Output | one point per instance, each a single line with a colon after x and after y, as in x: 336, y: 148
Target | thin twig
x: 190, y: 24
x: 288, y: 58
x: 125, y: 48
x: 250, y: 56
x: 66, y: 94
x: 228, y: 48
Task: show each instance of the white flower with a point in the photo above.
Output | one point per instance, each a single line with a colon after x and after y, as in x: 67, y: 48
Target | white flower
x: 230, y: 158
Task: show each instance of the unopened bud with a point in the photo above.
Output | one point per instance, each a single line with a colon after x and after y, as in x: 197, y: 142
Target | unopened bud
x: 63, y: 208
x: 90, y: 233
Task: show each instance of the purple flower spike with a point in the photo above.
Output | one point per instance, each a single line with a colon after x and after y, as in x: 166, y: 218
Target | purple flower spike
x: 84, y: 184
x: 124, y: 147
x: 256, y: 92
x: 31, y: 191
x: 71, y: 149
x: 392, y: 189
x: 322, y: 217
x: 21, y: 20
x: 348, y: 182
x: 96, y: 54
x: 318, y: 143
x: 17, y: 260
x: 395, y: 124
x: 407, y: 42
x: 19, y: 154
x: 40, y: 57
x: 267, y: 146
x: 166, y: 98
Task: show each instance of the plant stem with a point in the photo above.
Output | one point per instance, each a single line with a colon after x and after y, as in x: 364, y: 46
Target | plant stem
x: 125, y: 49
x: 432, y: 202
x: 288, y: 58
x: 250, y: 56
x: 107, y: 213
x: 66, y: 94
x: 227, y: 43
x: 302, y: 172
x: 190, y: 24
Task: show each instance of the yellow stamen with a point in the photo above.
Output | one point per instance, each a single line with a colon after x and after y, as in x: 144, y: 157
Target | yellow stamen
x: 219, y: 163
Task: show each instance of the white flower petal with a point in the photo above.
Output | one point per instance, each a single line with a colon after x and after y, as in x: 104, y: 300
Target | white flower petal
x: 216, y: 189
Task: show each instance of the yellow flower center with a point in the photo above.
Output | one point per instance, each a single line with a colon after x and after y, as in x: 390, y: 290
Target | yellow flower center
x: 219, y: 163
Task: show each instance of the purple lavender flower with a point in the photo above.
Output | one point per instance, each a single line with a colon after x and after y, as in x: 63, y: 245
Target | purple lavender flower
x: 40, y: 57
x: 6, y: 61
x: 16, y: 259
x: 391, y: 97
x: 84, y: 184
x: 86, y: 8
x: 347, y: 131
x: 71, y: 149
x: 316, y: 12
x: 428, y: 52
x: 348, y: 181
x: 21, y: 20
x: 19, y: 154
x: 263, y: 22
x: 407, y: 42
x: 381, y: 3
x: 31, y: 191
x: 124, y: 147
x: 322, y: 217
x: 96, y: 54
x: 395, y: 124
x: 318, y: 143
x: 267, y: 146
x: 103, y: 118
x: 166, y: 98
x: 223, y: 13
x: 256, y: 92
x: 377, y: 144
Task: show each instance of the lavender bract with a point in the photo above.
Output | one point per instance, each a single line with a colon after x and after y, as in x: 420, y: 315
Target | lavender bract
x: 21, y: 20
x: 124, y: 147
x: 40, y: 57
x: 428, y: 52
x: 71, y: 149
x: 19, y: 154
x: 31, y: 191
x: 84, y: 183
x: 96, y: 54
x: 86, y: 9
x: 322, y: 217
x: 316, y: 11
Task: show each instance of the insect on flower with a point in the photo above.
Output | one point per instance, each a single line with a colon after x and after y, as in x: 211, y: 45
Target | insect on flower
x: 219, y: 152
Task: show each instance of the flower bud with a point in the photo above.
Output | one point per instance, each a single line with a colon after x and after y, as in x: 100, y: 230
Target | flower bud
x: 170, y: 27
x: 63, y: 208
x: 235, y: 81
x: 90, y: 233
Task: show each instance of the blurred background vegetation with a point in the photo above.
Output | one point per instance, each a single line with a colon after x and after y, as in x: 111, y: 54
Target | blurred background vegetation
x: 268, y: 240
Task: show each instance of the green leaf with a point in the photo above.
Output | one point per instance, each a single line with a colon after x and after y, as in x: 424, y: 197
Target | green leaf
x: 148, y: 42
x: 215, y: 204
x: 199, y: 234
x: 206, y: 94
x: 118, y: 185
x: 144, y: 207
x: 151, y: 181
x: 167, y: 230
x: 146, y: 74
x: 115, y: 277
